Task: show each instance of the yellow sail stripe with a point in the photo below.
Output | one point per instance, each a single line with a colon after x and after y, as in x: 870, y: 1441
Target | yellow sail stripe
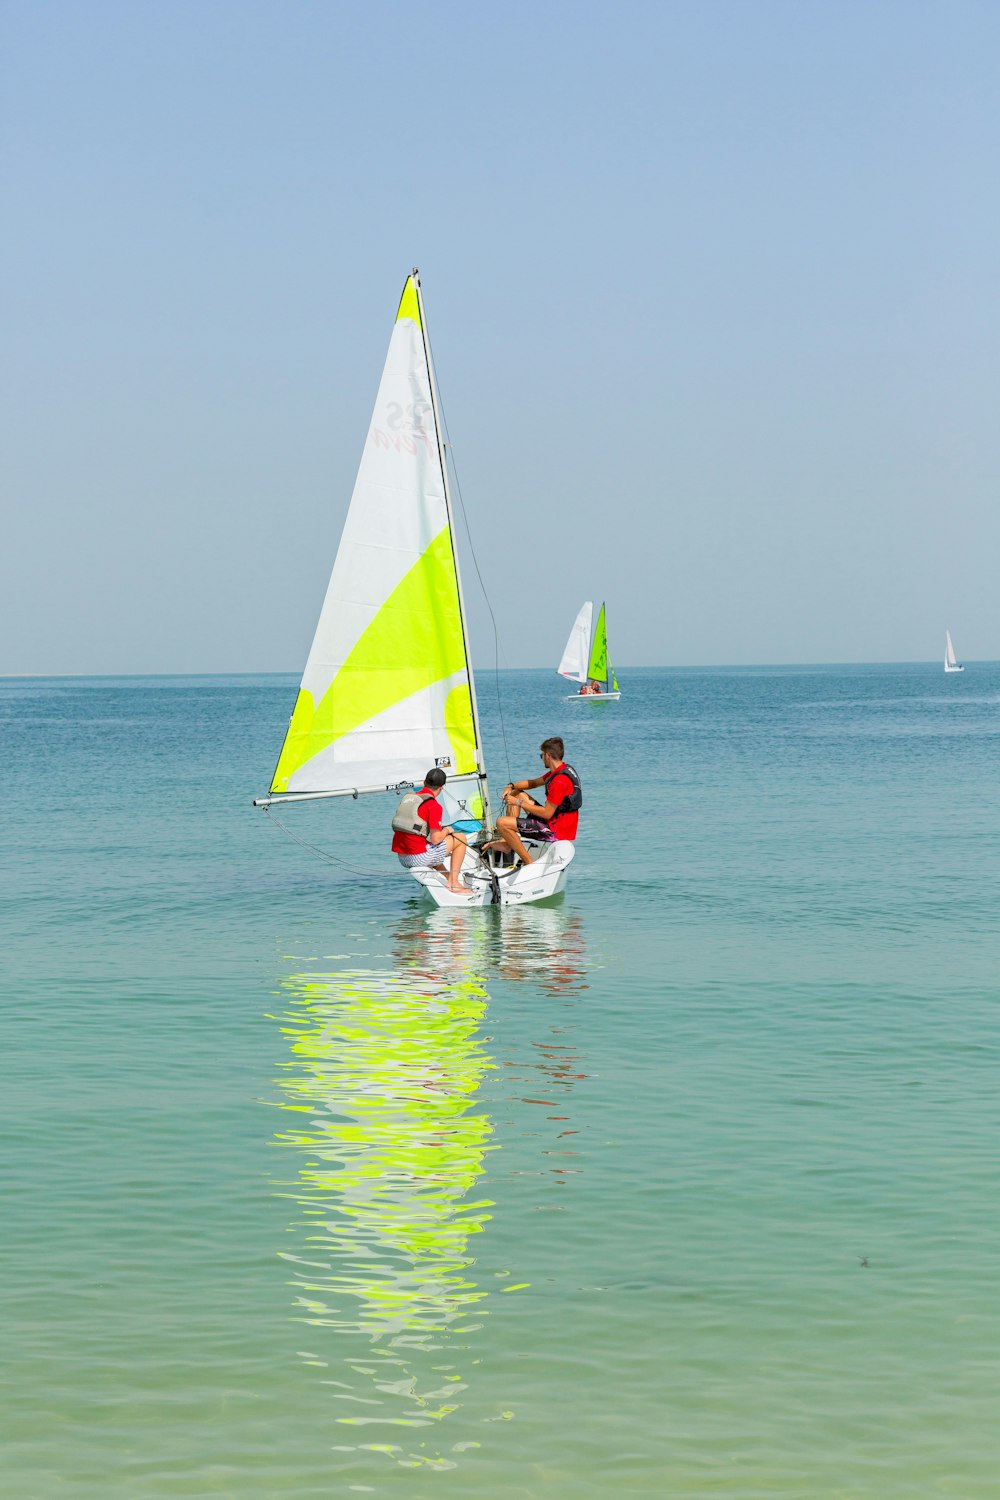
x: 409, y: 307
x: 460, y: 729
x: 414, y: 640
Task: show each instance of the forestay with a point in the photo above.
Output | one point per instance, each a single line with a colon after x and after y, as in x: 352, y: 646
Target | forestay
x: 386, y: 688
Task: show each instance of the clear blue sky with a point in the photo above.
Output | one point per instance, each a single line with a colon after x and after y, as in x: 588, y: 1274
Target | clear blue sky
x: 712, y: 288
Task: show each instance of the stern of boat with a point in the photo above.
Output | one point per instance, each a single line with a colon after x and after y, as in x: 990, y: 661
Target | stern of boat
x: 495, y: 883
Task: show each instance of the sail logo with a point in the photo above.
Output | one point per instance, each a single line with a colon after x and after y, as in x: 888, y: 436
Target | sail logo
x: 407, y: 426
x: 443, y: 760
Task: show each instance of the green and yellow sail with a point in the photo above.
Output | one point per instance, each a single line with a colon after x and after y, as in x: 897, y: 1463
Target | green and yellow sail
x: 387, y: 690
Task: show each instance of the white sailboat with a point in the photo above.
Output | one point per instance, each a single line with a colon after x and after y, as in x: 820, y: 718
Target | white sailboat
x: 585, y: 659
x: 388, y: 689
x: 951, y: 663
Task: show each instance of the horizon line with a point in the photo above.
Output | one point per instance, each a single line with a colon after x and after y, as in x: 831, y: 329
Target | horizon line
x: 761, y: 666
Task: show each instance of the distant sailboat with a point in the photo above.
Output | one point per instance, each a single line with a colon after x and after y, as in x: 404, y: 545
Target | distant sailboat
x: 951, y: 663
x: 586, y: 659
x: 388, y: 689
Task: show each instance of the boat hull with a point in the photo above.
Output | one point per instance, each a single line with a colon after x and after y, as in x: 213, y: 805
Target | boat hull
x: 543, y: 878
x: 592, y: 697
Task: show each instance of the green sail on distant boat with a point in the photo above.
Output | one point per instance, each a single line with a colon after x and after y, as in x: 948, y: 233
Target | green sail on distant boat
x: 586, y: 659
x: 388, y: 689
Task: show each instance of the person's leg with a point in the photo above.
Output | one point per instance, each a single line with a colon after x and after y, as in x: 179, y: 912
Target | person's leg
x: 507, y: 829
x: 456, y: 850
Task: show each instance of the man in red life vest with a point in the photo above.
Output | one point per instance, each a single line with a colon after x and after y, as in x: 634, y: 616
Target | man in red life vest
x: 546, y: 821
x: 440, y: 848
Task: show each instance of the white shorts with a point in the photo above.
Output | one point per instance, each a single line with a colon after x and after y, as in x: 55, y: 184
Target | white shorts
x: 433, y: 856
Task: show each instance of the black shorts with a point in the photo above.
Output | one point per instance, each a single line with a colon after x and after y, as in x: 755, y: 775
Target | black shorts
x: 535, y: 828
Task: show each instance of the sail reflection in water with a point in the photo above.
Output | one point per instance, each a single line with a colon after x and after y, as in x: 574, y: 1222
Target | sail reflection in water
x: 382, y: 1086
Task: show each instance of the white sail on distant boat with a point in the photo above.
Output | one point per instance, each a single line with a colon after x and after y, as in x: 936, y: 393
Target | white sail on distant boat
x: 951, y: 663
x: 388, y: 689
x: 586, y: 659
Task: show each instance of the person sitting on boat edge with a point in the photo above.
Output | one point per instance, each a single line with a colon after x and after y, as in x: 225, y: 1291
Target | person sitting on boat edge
x: 440, y: 849
x: 556, y: 818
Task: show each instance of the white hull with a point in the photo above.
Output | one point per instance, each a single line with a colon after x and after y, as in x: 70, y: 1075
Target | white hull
x: 953, y: 669
x: 544, y: 877
x: 593, y: 697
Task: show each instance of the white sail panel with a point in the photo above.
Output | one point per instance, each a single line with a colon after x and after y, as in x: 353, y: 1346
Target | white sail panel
x: 576, y: 657
x: 949, y: 650
x: 406, y: 737
x: 390, y: 643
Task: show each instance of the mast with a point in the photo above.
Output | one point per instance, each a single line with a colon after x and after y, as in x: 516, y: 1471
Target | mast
x: 442, y: 459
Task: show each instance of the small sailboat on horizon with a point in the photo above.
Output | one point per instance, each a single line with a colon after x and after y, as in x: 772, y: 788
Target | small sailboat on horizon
x: 585, y: 659
x: 388, y: 690
x: 951, y: 662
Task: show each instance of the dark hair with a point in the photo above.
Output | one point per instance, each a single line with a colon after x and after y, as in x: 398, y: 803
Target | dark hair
x: 553, y: 746
x: 435, y: 777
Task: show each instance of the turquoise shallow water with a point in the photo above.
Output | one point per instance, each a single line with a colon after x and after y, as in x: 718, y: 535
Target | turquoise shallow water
x: 687, y: 1186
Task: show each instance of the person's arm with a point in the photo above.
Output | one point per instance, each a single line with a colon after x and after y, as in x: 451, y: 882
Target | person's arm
x: 546, y: 813
x: 525, y: 786
x: 435, y: 833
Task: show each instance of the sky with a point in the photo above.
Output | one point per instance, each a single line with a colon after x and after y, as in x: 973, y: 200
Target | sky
x: 711, y: 286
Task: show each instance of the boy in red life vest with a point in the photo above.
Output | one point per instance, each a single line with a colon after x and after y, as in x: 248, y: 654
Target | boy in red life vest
x: 547, y: 821
x: 440, y: 849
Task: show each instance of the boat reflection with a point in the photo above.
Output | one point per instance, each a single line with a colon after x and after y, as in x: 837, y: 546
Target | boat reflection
x: 385, y: 1112
x: 543, y: 945
x: 544, y: 949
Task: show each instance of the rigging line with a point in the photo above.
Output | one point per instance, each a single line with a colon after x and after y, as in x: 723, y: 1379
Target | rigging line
x: 496, y: 634
x: 335, y: 860
x: 450, y: 455
x: 323, y: 853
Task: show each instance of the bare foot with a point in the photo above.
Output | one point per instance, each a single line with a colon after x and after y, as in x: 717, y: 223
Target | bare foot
x: 460, y: 890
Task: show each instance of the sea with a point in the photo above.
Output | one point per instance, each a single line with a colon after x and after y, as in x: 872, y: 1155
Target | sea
x: 685, y: 1185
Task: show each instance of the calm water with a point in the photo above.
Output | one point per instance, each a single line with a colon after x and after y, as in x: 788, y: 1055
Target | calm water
x: 688, y: 1186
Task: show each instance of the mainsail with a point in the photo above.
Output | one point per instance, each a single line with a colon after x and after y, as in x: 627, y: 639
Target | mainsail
x: 577, y: 653
x: 387, y: 689
x: 950, y: 659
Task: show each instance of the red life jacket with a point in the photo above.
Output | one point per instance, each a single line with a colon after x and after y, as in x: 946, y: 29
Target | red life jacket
x: 574, y: 801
